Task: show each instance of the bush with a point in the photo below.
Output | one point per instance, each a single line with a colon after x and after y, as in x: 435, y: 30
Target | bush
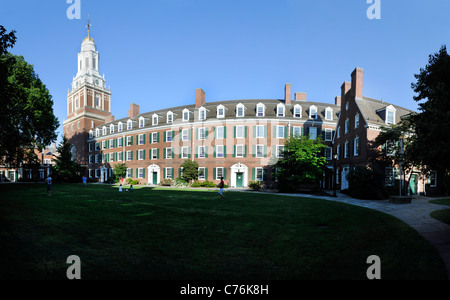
x: 166, y: 182
x: 255, y: 185
x: 206, y: 183
x: 181, y: 182
x: 366, y: 183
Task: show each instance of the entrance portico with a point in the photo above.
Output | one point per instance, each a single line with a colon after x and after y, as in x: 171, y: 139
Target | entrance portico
x: 154, y: 174
x: 239, y: 176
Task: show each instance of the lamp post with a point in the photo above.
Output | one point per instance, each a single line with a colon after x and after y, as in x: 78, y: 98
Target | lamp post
x: 335, y: 157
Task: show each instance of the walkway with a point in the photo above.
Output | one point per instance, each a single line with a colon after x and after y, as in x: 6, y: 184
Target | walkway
x: 416, y: 214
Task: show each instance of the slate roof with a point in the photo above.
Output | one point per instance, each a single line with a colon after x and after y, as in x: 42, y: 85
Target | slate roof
x: 371, y: 108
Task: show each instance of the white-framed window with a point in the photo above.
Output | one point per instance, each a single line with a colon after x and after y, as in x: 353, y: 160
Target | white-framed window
x: 155, y: 119
x: 169, y: 153
x: 201, y: 151
x: 129, y: 155
x: 97, y: 173
x: 97, y: 158
x: 221, y: 111
x: 240, y: 150
x: 111, y: 128
x: 169, y: 117
x: 390, y: 116
x: 98, y: 102
x: 129, y: 173
x: 240, y: 110
x: 141, y: 172
x: 184, y: 152
x: 141, y: 154
x: 260, y: 110
x: 201, y: 173
x: 260, y: 131
x: 129, y: 140
x: 186, y: 114
x: 103, y: 144
x: 97, y: 132
x: 111, y: 156
x: 259, y: 151
x: 119, y: 142
x: 338, y: 152
x: 155, y: 138
x: 91, y: 159
x: 90, y: 173
x: 219, y: 173
x: 77, y: 102
x: 120, y: 127
x: 141, y: 139
x: 219, y: 151
x: 111, y: 143
x: 220, y: 132
x: 119, y: 156
x: 169, y: 136
x: 105, y: 132
x: 185, y: 135
x: 280, y: 110
x: 129, y: 125
x: 328, y: 134
x: 259, y: 174
x: 141, y: 122
x: 201, y: 133
x: 280, y: 132
x: 297, y: 131
x: 240, y: 131
x: 313, y: 112
x: 328, y: 153
x: 356, y: 146
x: 297, y: 111
x: 154, y: 154
x: 313, y: 133
x: 329, y: 113
x: 169, y: 174
x: 346, y: 126
x: 279, y: 151
x: 346, y: 149
x: 356, y: 120
x: 202, y: 114
x: 91, y: 134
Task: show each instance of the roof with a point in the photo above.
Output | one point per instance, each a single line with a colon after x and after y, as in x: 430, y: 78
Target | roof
x: 371, y: 108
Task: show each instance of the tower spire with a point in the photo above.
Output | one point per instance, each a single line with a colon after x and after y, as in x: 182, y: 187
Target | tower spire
x: 89, y: 25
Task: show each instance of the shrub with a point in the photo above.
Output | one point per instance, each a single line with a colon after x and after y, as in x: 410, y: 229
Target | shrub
x: 255, y: 185
x: 206, y: 183
x: 166, y: 182
x: 366, y: 183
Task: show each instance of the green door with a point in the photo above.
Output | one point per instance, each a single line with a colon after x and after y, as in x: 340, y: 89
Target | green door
x: 239, y: 180
x: 155, y: 178
x: 413, y: 184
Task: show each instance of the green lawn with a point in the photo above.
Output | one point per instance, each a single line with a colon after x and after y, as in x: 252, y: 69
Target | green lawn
x: 442, y: 215
x: 186, y: 234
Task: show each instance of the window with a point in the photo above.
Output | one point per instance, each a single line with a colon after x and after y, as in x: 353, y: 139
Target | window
x: 91, y: 134
x: 90, y: 147
x: 169, y: 136
x: 346, y: 150
x: 97, y: 146
x: 260, y: 110
x: 119, y: 156
x: 141, y: 122
x: 239, y: 150
x: 297, y: 131
x: 169, y: 153
x: 201, y: 152
x: 119, y: 142
x: 141, y: 139
x: 120, y: 127
x: 219, y: 173
x: 313, y: 112
x: 185, y: 115
x: 356, y: 147
x: 97, y: 158
x: 297, y: 111
x: 313, y: 133
x: 260, y: 131
x: 240, y: 110
x: 220, y: 132
x: 432, y: 176
x: 129, y: 173
x: 111, y: 156
x: 155, y: 137
x: 169, y: 172
x: 220, y: 111
x: 280, y: 132
x: 279, y: 151
x: 184, y: 152
x: 185, y: 135
x: 111, y: 144
x: 259, y: 174
x: 389, y: 176
x: 240, y: 132
x: 111, y: 129
x: 346, y: 126
x: 201, y: 173
x: 220, y: 151
x: 201, y: 133
x: 169, y: 117
x: 154, y: 154
x: 129, y: 125
x: 77, y: 102
x: 346, y: 106
x: 329, y: 113
x: 259, y: 151
x: 103, y: 144
x: 141, y: 154
x: 356, y: 120
x: 155, y: 119
x: 129, y: 155
x: 328, y: 135
x: 338, y: 151
x: 328, y: 153
x: 97, y: 132
x: 390, y: 119
x: 280, y: 110
x: 104, y: 130
x: 141, y: 173
x: 97, y: 101
x: 202, y: 114
x: 339, y: 132
x: 129, y: 141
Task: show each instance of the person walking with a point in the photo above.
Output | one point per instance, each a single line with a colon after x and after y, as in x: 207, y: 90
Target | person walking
x: 84, y: 181
x: 49, y: 185
x: 221, y: 188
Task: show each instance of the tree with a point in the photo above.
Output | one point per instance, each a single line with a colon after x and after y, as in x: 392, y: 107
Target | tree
x: 66, y: 168
x: 302, y: 163
x: 120, y: 171
x: 26, y: 112
x: 190, y: 170
x: 430, y: 145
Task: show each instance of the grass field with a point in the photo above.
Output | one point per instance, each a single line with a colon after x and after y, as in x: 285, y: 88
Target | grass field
x: 186, y: 234
x: 442, y: 215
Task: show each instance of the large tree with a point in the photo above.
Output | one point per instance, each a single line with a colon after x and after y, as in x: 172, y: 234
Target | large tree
x: 430, y: 145
x: 66, y: 168
x: 302, y: 163
x: 26, y: 111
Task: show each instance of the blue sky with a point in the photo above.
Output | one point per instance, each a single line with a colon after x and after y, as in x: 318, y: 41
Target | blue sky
x: 155, y: 53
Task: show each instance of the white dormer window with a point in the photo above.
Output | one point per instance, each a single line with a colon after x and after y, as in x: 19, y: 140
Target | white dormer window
x: 313, y: 112
x: 297, y: 111
x: 221, y: 111
x: 97, y: 132
x: 329, y: 113
x: 260, y: 110
x: 111, y: 128
x: 170, y: 117
x: 390, y: 115
x: 155, y: 119
x: 105, y: 130
x: 280, y: 110
x: 129, y: 125
x: 141, y: 122
x: 91, y: 134
x: 240, y: 110
x: 186, y: 115
x: 202, y: 112
x: 120, y: 127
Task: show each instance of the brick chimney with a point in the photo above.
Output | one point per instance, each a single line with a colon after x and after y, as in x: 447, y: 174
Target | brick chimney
x: 345, y: 88
x: 337, y: 101
x: 111, y: 118
x: 199, y: 98
x: 357, y: 82
x: 287, y: 94
x: 300, y: 96
x: 134, y: 110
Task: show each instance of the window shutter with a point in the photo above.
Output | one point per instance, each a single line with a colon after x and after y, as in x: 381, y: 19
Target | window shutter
x: 234, y: 131
x: 234, y: 151
x: 224, y: 132
x: 224, y: 173
x: 254, y: 131
x: 286, y: 128
x: 253, y: 173
x: 245, y: 131
x: 206, y: 173
x: 265, y: 131
x: 265, y: 150
x: 254, y: 150
x: 224, y: 151
x: 214, y: 174
x: 157, y: 153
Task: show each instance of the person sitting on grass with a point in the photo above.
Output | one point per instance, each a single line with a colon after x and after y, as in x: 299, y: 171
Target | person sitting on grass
x: 120, y: 188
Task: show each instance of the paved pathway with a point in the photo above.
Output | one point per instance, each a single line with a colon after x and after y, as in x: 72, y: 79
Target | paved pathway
x: 415, y: 214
